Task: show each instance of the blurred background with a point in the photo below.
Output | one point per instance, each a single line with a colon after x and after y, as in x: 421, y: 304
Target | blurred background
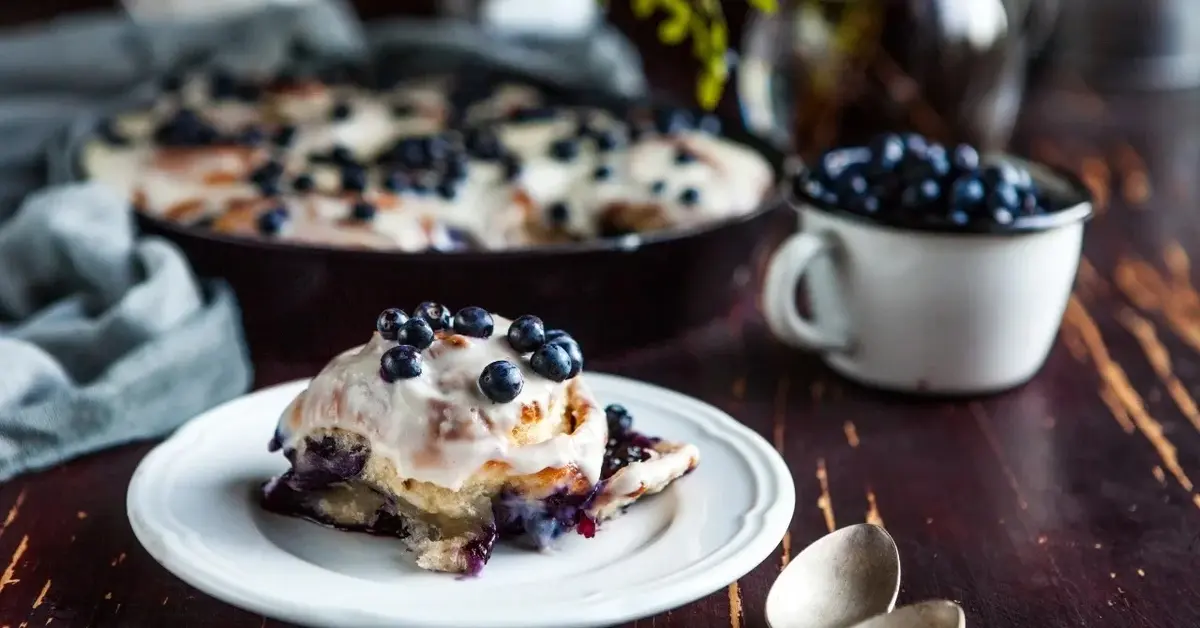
x: 806, y: 71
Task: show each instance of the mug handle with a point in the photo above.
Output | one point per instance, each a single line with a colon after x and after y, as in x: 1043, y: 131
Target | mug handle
x: 787, y: 266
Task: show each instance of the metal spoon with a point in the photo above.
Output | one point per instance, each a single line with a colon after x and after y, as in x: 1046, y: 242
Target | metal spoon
x: 844, y: 578
x: 931, y: 614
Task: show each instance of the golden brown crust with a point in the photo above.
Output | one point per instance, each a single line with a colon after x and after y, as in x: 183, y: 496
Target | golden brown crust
x: 635, y: 217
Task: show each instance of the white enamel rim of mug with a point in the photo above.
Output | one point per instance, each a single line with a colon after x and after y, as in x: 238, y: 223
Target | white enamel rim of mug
x: 190, y: 504
x: 794, y: 257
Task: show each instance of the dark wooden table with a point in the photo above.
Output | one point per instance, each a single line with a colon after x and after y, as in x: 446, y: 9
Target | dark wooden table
x: 1068, y: 502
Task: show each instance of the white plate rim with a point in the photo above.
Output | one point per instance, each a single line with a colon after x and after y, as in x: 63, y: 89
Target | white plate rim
x: 764, y: 525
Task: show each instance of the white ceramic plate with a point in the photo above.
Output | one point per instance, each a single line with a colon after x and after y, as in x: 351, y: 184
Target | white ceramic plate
x: 192, y: 504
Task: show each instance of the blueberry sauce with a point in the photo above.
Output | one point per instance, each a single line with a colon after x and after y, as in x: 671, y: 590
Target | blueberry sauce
x: 625, y: 446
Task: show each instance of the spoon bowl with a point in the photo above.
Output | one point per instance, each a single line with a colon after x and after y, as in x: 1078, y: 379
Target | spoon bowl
x: 931, y: 614
x: 844, y: 578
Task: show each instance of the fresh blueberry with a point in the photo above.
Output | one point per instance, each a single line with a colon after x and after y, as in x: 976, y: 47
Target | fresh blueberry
x: 266, y: 178
x: 362, y: 211
x: 967, y: 191
x: 396, y: 182
x: 559, y: 337
x: 557, y: 334
x: 455, y: 167
x: 437, y: 147
x: 602, y: 173
x: 1004, y: 195
x: 864, y: 204
x: 915, y: 144
x: 410, y: 152
x: 390, y: 321
x: 1002, y: 216
x: 938, y: 163
x: 965, y: 158
x: 342, y: 156
x: 959, y: 216
x: 710, y: 124
x: 1007, y: 173
x: 833, y: 163
x: 416, y: 332
x: 252, y: 136
x: 526, y: 334
x: 447, y: 189
x: 606, y: 140
x: 620, y: 422
x: 248, y: 92
x: 303, y: 183
x: 400, y: 362
x: 501, y: 381
x: 437, y: 315
x: 1029, y: 203
x: 285, y: 136
x: 185, y: 128
x: 474, y: 321
x: 689, y: 197
x: 512, y: 166
x: 684, y: 156
x: 584, y: 127
x: 558, y: 213
x: 552, y: 362
x: 222, y: 86
x: 106, y: 130
x: 271, y: 221
x: 658, y: 187
x: 354, y: 179
x: 851, y: 183
x: 805, y: 185
x: 920, y: 194
x: 886, y: 152
x: 670, y: 121
x: 564, y: 149
x: 532, y: 114
x: 482, y: 143
x: 340, y: 111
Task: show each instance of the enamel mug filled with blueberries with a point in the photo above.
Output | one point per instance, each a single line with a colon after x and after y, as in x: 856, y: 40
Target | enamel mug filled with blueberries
x: 926, y: 269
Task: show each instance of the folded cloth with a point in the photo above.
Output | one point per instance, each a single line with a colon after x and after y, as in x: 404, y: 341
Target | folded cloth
x: 106, y: 338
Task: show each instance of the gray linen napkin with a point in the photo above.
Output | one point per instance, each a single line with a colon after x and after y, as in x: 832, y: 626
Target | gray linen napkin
x: 106, y: 337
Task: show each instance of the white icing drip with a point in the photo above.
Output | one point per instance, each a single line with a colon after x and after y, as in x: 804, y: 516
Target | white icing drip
x: 438, y: 427
x: 729, y: 179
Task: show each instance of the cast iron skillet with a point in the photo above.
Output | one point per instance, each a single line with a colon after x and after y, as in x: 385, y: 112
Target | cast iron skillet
x: 304, y: 304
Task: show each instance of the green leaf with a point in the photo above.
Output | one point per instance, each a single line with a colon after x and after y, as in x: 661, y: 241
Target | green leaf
x: 718, y: 37
x: 673, y: 30
x: 766, y: 6
x: 699, y: 39
x: 643, y: 8
x: 708, y: 90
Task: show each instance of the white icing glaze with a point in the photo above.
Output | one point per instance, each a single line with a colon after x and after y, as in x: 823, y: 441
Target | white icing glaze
x: 438, y: 427
x: 730, y: 179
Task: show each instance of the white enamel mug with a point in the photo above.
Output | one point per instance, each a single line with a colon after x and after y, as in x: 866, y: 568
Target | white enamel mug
x: 925, y: 310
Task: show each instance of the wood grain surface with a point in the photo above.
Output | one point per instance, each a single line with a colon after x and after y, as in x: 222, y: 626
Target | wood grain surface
x: 1071, y: 501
